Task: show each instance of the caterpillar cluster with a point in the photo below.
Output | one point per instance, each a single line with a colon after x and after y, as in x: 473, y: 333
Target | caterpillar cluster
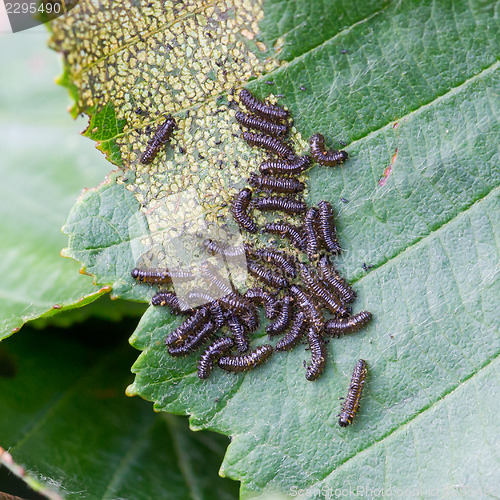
x: 232, y: 311
x: 303, y: 296
x: 314, y: 299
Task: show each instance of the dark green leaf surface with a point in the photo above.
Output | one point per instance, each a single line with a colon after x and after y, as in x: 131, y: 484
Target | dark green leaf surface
x: 294, y: 28
x: 415, y: 95
x: 66, y: 420
x: 44, y: 165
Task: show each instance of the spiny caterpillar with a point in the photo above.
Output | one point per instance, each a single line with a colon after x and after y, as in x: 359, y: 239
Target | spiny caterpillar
x: 158, y: 276
x: 269, y: 111
x: 162, y: 135
x: 265, y: 275
x: 326, y: 226
x: 244, y: 362
x: 341, y: 326
x: 283, y: 320
x: 286, y: 230
x: 276, y: 184
x: 323, y: 157
x: 268, y: 143
x: 211, y: 354
x: 256, y: 123
x: 239, y: 210
x: 291, y: 167
x: 351, y: 402
x: 279, y: 203
x: 260, y: 295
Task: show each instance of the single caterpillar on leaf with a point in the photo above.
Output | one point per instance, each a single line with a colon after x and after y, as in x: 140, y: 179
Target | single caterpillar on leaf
x: 351, y: 402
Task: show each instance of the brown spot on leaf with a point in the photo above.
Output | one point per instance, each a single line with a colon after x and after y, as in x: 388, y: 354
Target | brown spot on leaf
x: 388, y: 170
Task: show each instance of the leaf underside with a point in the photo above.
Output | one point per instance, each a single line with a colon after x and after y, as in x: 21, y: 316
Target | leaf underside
x: 412, y: 89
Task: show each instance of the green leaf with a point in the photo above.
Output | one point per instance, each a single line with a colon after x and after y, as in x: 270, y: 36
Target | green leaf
x: 77, y: 435
x: 103, y: 127
x: 413, y: 89
x: 44, y: 166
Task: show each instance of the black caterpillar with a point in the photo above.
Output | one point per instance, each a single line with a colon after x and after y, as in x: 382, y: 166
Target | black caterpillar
x: 239, y: 334
x: 326, y: 226
x: 268, y: 143
x: 194, y: 340
x: 318, y: 354
x: 284, y: 261
x: 283, y: 320
x: 260, y: 295
x: 269, y: 111
x: 169, y: 299
x: 352, y: 324
x: 218, y: 314
x: 294, y: 336
x: 162, y: 135
x: 161, y: 276
x: 351, y: 402
x: 321, y: 292
x: 310, y: 221
x: 276, y: 184
x: 235, y: 301
x: 310, y: 308
x: 266, y: 275
x: 244, y: 362
x: 292, y: 167
x: 278, y: 203
x: 293, y: 233
x: 256, y: 123
x: 335, y: 281
x: 323, y: 157
x: 239, y: 210
x: 214, y: 247
x: 182, y: 332
x: 211, y: 354
x: 250, y: 318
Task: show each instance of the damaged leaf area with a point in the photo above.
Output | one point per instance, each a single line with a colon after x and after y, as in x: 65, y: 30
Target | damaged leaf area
x: 140, y: 61
x: 412, y: 88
